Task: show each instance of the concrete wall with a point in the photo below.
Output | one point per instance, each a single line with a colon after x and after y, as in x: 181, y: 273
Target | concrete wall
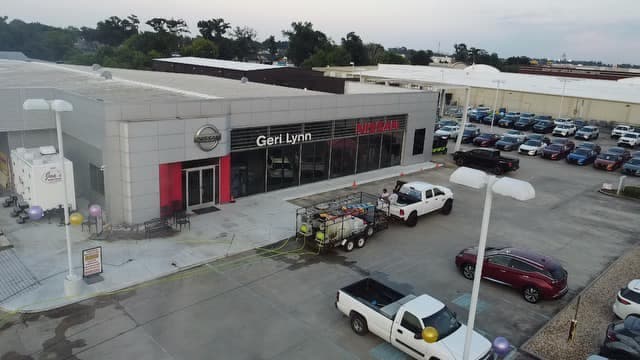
x: 589, y: 109
x: 142, y: 136
x: 13, y: 118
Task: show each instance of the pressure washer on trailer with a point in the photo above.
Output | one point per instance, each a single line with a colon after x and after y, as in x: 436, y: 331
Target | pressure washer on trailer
x: 346, y: 222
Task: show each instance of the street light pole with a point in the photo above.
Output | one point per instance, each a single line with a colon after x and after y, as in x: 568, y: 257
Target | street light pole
x: 564, y: 87
x: 517, y: 189
x: 495, y: 102
x: 467, y: 98
x: 482, y: 244
x: 71, y: 283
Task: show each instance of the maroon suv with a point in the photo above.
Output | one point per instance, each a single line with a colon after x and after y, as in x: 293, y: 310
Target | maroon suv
x: 536, y: 276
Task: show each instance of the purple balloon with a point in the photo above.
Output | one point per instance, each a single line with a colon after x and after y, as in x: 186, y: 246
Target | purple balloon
x: 501, y: 346
x: 95, y: 210
x: 35, y: 213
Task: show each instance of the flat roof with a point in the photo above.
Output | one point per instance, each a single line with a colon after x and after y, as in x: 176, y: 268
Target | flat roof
x: 135, y: 86
x: 480, y: 78
x: 217, y: 63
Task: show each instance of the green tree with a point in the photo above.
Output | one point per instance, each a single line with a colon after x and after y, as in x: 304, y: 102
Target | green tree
x: 112, y: 31
x: 354, y: 46
x: 246, y: 46
x: 375, y: 53
x: 213, y: 29
x: 304, y: 41
x: 422, y: 57
x: 272, y: 46
x: 393, y: 58
x: 329, y: 56
x: 461, y: 53
x: 201, y: 47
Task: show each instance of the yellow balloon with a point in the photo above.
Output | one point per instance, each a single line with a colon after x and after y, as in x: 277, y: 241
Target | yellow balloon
x: 76, y: 218
x: 430, y: 334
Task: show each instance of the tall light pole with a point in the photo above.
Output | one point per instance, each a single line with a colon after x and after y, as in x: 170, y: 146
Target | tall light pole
x: 517, y: 189
x: 495, y: 102
x: 564, y: 87
x: 467, y: 98
x: 71, y: 283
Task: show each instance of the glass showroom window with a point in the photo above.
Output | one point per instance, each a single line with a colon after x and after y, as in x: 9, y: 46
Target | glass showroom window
x: 343, y: 157
x: 248, y: 172
x: 282, y: 166
x: 314, y: 162
x: 369, y: 152
x: 391, y: 149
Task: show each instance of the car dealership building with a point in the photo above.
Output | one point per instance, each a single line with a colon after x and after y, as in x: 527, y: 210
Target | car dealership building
x: 142, y: 142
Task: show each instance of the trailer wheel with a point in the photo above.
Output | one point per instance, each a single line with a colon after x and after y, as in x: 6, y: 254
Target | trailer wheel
x: 359, y: 324
x: 349, y: 246
x: 369, y: 231
x: 412, y: 220
x: 361, y: 242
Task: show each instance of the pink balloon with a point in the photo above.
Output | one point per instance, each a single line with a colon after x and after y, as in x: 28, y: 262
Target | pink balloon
x: 95, y: 210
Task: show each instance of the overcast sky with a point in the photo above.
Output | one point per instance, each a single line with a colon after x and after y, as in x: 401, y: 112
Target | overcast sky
x: 583, y: 29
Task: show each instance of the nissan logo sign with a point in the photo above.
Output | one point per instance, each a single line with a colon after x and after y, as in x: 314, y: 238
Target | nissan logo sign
x: 207, y: 137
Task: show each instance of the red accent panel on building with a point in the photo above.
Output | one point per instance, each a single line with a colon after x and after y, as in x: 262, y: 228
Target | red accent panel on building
x: 225, y: 179
x: 170, y: 185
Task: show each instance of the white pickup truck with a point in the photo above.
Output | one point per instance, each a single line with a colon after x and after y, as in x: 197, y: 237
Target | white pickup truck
x: 399, y: 319
x: 417, y: 198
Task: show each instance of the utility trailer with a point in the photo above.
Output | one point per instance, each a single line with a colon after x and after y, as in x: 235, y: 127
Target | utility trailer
x: 347, y: 221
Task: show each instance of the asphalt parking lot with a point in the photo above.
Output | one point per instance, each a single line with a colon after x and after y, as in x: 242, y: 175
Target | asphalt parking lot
x: 279, y: 304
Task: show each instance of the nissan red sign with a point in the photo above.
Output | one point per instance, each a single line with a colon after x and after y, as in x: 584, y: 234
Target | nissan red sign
x: 374, y: 127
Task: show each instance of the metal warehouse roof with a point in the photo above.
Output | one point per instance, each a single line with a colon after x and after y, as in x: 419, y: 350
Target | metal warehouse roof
x: 480, y: 77
x: 134, y: 86
x: 216, y: 63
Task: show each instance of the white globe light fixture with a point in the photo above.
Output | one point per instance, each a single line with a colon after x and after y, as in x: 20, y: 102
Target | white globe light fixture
x: 513, y: 188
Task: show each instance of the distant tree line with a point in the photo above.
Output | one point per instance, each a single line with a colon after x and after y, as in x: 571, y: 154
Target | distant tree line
x: 120, y: 42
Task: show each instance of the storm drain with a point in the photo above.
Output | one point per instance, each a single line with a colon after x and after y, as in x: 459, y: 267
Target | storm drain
x: 15, y: 278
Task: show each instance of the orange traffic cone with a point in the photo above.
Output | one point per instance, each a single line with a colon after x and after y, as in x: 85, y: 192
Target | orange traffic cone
x: 354, y: 185
x: 401, y: 173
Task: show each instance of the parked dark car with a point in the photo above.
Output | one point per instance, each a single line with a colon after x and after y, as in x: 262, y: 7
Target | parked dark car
x: 555, y: 151
x: 622, y: 339
x: 591, y: 146
x: 564, y: 142
x: 632, y: 167
x: 486, y: 159
x: 489, y: 117
x: 508, y: 143
x: 608, y: 161
x: 536, y: 276
x: 624, y: 153
x: 543, y: 127
x: 525, y: 123
x: 508, y: 121
x: 469, y: 134
x: 478, y: 115
x: 581, y: 156
x: 539, y: 137
x: 579, y: 123
x: 486, y: 140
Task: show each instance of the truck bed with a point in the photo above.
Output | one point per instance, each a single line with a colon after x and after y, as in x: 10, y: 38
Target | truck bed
x: 376, y: 295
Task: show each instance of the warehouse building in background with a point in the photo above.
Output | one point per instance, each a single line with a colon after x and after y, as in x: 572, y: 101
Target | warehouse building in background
x: 605, y: 101
x: 146, y: 142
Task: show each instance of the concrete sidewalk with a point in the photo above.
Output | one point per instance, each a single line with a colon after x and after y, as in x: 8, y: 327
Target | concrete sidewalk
x: 248, y: 223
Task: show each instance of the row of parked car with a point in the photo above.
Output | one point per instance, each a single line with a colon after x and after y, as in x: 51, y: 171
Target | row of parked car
x: 559, y: 148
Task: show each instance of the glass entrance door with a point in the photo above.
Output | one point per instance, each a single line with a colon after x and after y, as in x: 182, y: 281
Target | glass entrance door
x: 200, y: 187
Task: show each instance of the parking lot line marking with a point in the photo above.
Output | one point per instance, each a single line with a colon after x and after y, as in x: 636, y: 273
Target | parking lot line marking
x: 386, y: 351
x: 464, y: 301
